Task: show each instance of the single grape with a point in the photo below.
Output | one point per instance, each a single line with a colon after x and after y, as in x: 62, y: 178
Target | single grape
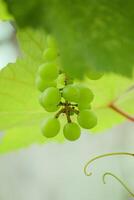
x: 50, y: 54
x: 51, y: 42
x: 42, y: 84
x: 84, y: 106
x: 50, y: 99
x: 71, y: 131
x: 94, y: 75
x: 87, y: 119
x: 71, y: 93
x: 86, y: 96
x: 50, y: 127
x: 49, y: 71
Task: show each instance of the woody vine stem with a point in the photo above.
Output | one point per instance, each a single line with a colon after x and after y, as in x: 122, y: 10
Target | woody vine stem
x: 109, y: 173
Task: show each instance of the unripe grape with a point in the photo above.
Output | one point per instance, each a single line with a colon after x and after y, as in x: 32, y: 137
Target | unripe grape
x: 94, y: 75
x: 50, y: 54
x: 84, y: 106
x: 86, y: 96
x: 50, y: 99
x: 43, y: 84
x: 71, y: 131
x: 50, y: 127
x: 87, y: 119
x: 71, y: 93
x: 49, y: 71
x: 51, y: 42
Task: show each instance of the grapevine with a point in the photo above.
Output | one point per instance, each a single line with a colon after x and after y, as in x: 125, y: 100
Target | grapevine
x: 63, y: 95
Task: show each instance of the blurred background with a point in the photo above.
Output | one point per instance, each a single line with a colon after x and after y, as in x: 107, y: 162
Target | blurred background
x: 55, y: 171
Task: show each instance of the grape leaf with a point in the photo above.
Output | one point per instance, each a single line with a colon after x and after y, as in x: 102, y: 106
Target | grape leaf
x: 91, y: 34
x: 4, y: 14
x: 20, y: 111
x: 112, y: 88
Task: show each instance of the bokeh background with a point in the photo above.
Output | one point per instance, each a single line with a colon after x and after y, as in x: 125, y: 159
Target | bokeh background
x: 55, y: 171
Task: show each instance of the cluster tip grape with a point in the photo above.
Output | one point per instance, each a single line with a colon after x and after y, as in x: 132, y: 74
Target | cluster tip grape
x: 60, y: 94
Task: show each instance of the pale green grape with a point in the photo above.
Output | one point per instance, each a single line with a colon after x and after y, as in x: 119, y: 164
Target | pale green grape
x: 51, y: 42
x: 86, y: 96
x: 50, y: 99
x: 50, y: 54
x: 43, y: 84
x: 94, y: 75
x: 71, y: 93
x: 83, y: 106
x: 50, y: 127
x: 87, y: 119
x: 49, y: 71
x: 71, y: 131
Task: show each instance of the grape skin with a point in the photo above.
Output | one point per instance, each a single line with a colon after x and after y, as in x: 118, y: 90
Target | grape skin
x: 42, y: 84
x: 71, y: 131
x: 50, y: 127
x: 87, y: 119
x: 86, y: 96
x: 71, y: 93
x: 50, y: 54
x: 51, y: 42
x: 84, y: 106
x: 50, y: 99
x: 49, y: 71
x: 94, y: 75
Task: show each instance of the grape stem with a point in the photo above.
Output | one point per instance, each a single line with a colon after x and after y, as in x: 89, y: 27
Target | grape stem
x: 121, y: 112
x: 60, y: 112
x: 69, y: 104
x: 119, y: 180
x: 102, y: 156
x: 74, y: 110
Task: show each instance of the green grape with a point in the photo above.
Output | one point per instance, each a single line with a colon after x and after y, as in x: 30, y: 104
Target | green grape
x: 42, y: 84
x: 84, y: 106
x: 49, y: 71
x: 71, y: 131
x: 71, y: 93
x: 51, y: 42
x: 94, y: 75
x: 50, y: 127
x: 50, y: 99
x: 87, y: 119
x: 86, y: 96
x: 50, y: 54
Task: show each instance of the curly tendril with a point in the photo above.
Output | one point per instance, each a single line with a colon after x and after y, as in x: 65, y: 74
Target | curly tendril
x: 119, y: 180
x: 102, y: 156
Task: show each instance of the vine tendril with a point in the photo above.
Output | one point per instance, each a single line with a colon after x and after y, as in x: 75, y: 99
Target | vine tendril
x: 102, y: 156
x: 119, y: 180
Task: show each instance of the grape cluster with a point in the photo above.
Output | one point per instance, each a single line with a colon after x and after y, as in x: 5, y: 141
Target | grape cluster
x: 61, y: 94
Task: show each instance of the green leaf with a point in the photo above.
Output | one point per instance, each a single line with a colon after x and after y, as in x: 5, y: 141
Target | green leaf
x: 4, y: 15
x: 91, y: 34
x: 20, y: 111
x: 112, y: 88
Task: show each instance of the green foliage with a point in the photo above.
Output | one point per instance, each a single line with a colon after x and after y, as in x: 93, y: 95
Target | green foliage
x: 20, y: 111
x: 91, y: 34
